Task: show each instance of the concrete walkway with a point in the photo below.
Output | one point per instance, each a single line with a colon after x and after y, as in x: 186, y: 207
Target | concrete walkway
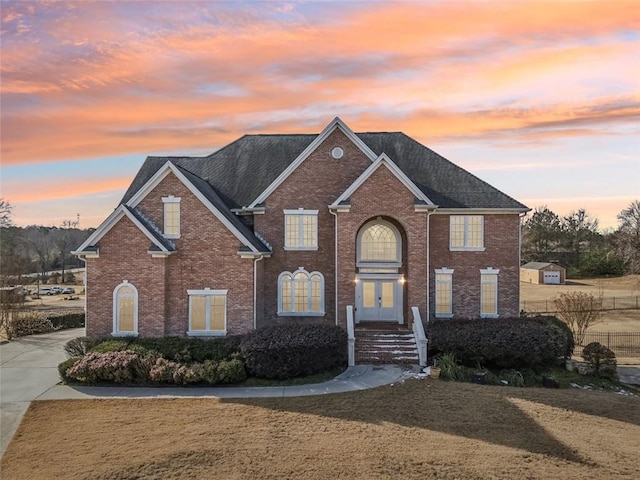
x: 28, y: 368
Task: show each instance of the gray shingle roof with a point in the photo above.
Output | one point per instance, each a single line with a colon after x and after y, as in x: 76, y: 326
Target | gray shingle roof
x: 239, y: 172
x: 153, y: 229
x: 206, y: 189
x: 537, y: 265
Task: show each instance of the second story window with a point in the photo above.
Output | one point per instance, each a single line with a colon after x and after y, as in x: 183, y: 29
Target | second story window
x: 466, y: 232
x: 301, y: 229
x: 171, y: 219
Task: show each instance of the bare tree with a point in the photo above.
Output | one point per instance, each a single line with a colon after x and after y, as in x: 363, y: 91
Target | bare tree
x: 579, y: 229
x: 579, y: 310
x: 627, y: 237
x: 5, y: 213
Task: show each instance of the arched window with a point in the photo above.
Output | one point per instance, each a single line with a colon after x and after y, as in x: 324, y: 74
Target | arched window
x: 125, y: 310
x: 379, y: 242
x: 300, y: 293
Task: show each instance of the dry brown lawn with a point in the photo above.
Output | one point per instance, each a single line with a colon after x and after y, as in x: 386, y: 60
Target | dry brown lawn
x: 415, y: 430
x: 612, y: 320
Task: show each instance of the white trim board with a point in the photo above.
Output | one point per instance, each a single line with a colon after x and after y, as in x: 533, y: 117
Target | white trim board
x: 328, y: 130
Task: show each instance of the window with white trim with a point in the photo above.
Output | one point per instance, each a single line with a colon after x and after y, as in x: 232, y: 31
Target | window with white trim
x: 171, y: 220
x: 207, y: 312
x: 444, y: 293
x: 125, y: 310
x: 489, y: 292
x: 466, y: 232
x: 300, y: 293
x: 301, y: 229
x: 379, y: 247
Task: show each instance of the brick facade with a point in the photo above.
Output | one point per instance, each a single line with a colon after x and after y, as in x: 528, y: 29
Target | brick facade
x: 501, y: 252
x: 314, y: 185
x: 206, y: 257
x: 207, y: 251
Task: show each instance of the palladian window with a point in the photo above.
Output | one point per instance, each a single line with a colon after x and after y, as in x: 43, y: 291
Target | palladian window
x: 379, y: 245
x: 301, y: 293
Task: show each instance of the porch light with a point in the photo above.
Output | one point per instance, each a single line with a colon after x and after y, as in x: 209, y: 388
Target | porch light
x: 402, y: 280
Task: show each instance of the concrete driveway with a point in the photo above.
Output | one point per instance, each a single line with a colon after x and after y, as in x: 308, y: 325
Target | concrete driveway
x: 28, y: 368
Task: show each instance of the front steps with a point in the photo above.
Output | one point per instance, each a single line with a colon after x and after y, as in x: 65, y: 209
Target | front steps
x: 385, y: 344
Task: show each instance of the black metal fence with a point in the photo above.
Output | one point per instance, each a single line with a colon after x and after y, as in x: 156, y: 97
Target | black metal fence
x: 623, y: 344
x: 631, y: 302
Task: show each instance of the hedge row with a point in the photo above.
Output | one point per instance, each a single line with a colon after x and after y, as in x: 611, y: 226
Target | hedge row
x: 502, y: 342
x: 278, y: 352
x: 285, y: 351
x: 34, y: 322
x: 128, y: 367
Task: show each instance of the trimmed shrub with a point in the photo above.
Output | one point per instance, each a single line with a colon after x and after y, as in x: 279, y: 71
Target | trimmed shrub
x: 210, y: 372
x: 502, y: 342
x: 64, y: 366
x: 601, y: 359
x: 287, y: 351
x: 28, y: 323
x: 78, y: 347
x: 231, y: 371
x: 117, y: 367
x: 178, y: 349
x: 67, y: 320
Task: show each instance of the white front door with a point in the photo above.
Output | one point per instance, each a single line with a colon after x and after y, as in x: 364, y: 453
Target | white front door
x: 379, y: 299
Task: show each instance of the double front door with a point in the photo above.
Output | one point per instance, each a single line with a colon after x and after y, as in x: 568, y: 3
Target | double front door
x: 379, y: 298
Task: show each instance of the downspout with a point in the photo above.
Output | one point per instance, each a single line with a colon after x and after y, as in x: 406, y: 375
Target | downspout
x: 429, y: 265
x: 520, y: 223
x: 335, y: 246
x: 255, y: 290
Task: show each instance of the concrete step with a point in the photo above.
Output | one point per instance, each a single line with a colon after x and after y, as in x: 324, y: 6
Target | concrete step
x: 391, y: 346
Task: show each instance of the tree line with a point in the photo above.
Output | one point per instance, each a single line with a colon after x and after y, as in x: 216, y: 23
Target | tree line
x: 576, y: 243
x: 37, y: 249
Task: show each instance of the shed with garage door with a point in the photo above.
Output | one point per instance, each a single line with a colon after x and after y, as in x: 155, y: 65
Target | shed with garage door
x: 543, y: 273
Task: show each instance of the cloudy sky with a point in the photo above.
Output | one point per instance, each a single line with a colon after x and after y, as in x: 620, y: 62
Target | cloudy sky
x: 540, y: 99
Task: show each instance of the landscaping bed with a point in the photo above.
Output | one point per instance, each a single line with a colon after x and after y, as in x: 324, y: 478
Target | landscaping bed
x: 275, y: 354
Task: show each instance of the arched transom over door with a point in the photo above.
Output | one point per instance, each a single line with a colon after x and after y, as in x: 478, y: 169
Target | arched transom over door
x: 378, y: 283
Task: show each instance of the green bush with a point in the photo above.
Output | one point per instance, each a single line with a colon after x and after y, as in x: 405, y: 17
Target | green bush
x: 178, y: 349
x: 28, y: 323
x: 210, y: 372
x: 601, y: 359
x: 502, y: 342
x: 287, y: 351
x: 231, y: 371
x: 450, y: 369
x: 78, y: 347
x: 119, y: 345
x: 64, y: 366
x: 67, y: 320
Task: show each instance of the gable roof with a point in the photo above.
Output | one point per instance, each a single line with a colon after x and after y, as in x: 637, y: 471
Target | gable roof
x: 207, y: 195
x: 146, y: 226
x: 538, y: 265
x: 385, y: 161
x: 242, y: 171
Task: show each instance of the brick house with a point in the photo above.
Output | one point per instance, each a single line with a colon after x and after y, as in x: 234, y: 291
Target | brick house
x: 295, y: 228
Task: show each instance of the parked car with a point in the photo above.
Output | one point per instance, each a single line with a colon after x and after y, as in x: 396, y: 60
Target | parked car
x: 68, y: 291
x: 45, y: 291
x: 57, y: 290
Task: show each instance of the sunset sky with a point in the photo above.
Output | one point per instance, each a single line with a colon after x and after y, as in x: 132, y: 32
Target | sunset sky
x: 540, y: 99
